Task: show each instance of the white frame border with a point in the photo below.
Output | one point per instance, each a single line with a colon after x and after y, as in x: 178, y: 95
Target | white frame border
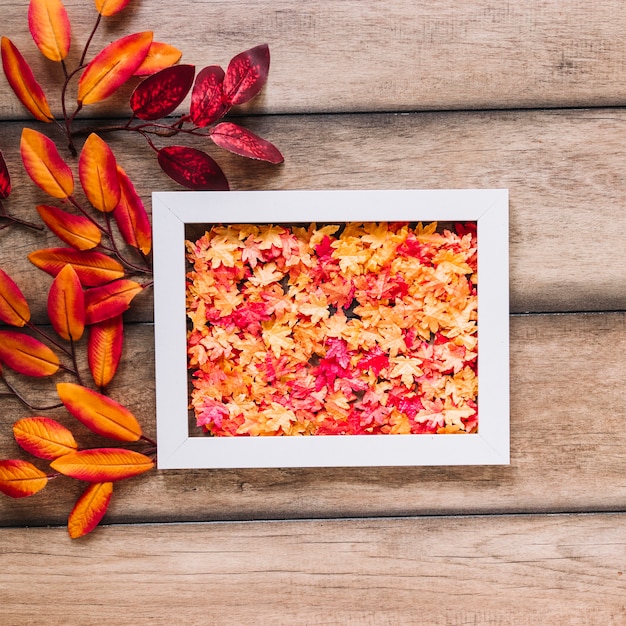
x: 171, y: 211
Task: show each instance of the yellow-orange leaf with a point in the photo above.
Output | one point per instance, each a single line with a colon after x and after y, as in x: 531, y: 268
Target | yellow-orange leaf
x: 160, y: 55
x: 20, y: 479
x: 44, y: 164
x: 77, y: 231
x: 97, y: 169
x: 110, y: 69
x: 44, y: 437
x: 99, y: 413
x: 23, y: 83
x: 50, y: 28
x: 131, y: 216
x: 102, y: 464
x: 104, y: 349
x: 107, y: 8
x: 27, y: 355
x: 110, y: 300
x: 93, y: 268
x: 66, y: 305
x: 89, y: 509
x: 14, y: 309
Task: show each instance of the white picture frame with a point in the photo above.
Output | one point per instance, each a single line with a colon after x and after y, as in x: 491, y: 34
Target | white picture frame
x: 179, y: 449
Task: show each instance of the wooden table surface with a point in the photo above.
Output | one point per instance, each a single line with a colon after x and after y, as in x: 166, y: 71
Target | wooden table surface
x: 369, y: 94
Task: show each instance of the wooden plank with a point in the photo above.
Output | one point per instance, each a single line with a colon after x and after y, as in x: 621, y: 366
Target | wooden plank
x: 372, y: 56
x: 567, y: 447
x: 560, y: 570
x: 563, y: 169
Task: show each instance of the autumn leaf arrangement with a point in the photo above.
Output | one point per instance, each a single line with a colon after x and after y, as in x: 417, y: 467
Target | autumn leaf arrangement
x: 337, y: 329
x: 105, y: 231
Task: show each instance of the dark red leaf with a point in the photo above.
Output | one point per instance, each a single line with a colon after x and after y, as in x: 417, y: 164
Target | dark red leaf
x: 5, y: 179
x: 241, y: 141
x: 192, y: 168
x: 207, y: 101
x: 158, y: 95
x: 246, y: 74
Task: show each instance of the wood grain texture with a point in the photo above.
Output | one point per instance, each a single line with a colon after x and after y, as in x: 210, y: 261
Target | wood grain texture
x: 351, y: 55
x: 557, y: 570
x: 567, y: 447
x: 564, y: 170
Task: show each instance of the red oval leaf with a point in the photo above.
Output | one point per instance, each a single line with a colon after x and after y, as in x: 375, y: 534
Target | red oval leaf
x: 158, y: 95
x: 77, y: 231
x: 246, y: 74
x: 93, y: 268
x: 192, y: 168
x: 50, y: 28
x: 44, y: 437
x: 20, y: 479
x: 101, y: 414
x: 89, y: 509
x: 5, y: 179
x: 104, y: 349
x: 97, y: 169
x: 207, y: 101
x: 110, y: 69
x: 102, y: 464
x: 23, y: 83
x: 14, y: 309
x: 241, y: 141
x: 110, y: 300
x: 66, y: 305
x: 131, y: 216
x: 27, y: 355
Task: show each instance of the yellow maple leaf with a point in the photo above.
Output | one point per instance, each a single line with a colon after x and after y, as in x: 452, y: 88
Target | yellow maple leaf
x: 265, y: 275
x: 223, y: 251
x: 405, y: 368
x: 277, y: 337
x: 269, y: 236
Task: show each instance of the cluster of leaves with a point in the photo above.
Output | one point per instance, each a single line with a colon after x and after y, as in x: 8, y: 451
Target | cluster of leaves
x: 105, y: 260
x: 363, y: 329
x: 213, y: 92
x: 45, y: 437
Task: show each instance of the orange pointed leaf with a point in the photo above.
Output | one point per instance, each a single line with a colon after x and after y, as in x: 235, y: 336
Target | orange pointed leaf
x: 97, y: 169
x: 20, y: 479
x: 101, y: 414
x: 93, y: 268
x: 104, y: 349
x: 50, y: 28
x: 131, y: 216
x: 23, y: 83
x: 44, y: 437
x: 44, y: 164
x: 77, y: 231
x: 110, y: 69
x: 66, y: 305
x: 102, y: 464
x: 111, y: 300
x: 107, y: 8
x: 14, y: 309
x: 89, y: 509
x: 160, y: 55
x: 27, y: 355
